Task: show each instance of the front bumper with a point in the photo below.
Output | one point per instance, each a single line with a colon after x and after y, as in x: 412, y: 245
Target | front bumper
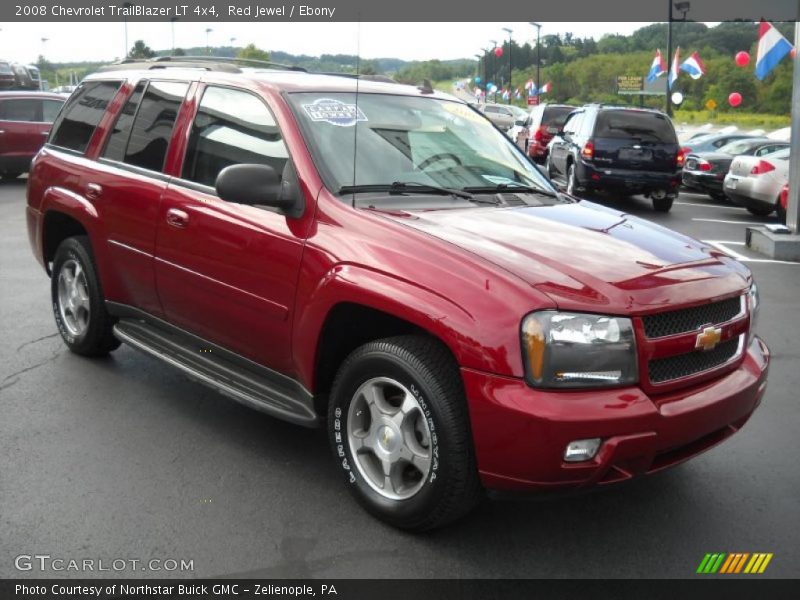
x: 633, y: 181
x: 701, y: 180
x: 520, y: 433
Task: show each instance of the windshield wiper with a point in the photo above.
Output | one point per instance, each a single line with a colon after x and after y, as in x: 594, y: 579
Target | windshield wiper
x: 404, y: 187
x: 508, y: 187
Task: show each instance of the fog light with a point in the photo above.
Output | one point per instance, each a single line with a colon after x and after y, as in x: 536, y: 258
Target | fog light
x: 581, y: 450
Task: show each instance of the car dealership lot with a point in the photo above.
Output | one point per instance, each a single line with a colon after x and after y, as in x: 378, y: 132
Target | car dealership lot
x: 126, y: 458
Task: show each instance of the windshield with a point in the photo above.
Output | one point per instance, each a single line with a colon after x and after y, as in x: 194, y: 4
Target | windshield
x: 739, y: 146
x: 388, y: 139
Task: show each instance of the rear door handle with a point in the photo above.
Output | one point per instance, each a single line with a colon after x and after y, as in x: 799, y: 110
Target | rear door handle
x: 177, y: 218
x: 94, y: 191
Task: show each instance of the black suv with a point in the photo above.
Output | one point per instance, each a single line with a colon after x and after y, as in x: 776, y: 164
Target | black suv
x: 622, y: 149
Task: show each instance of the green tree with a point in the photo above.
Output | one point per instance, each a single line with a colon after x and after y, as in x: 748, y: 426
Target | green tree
x: 179, y: 52
x: 141, y: 50
x: 251, y: 52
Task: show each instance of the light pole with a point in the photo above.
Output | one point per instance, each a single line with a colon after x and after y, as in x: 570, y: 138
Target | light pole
x: 172, y: 28
x: 208, y: 47
x: 684, y: 8
x: 233, y: 39
x: 538, y: 50
x: 126, y: 6
x: 494, y: 47
x: 509, y: 62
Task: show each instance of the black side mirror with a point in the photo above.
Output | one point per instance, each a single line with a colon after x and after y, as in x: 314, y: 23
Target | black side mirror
x: 254, y: 184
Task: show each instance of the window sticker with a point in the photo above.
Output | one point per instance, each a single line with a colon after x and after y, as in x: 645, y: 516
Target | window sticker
x: 335, y: 112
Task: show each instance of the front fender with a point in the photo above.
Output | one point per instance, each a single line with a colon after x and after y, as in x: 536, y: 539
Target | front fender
x: 486, y: 342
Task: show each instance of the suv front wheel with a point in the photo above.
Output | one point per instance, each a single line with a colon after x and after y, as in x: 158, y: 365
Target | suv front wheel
x: 399, y: 430
x: 78, y: 303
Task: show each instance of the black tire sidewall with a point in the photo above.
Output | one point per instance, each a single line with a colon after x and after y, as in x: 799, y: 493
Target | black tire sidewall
x: 399, y: 512
x: 87, y: 342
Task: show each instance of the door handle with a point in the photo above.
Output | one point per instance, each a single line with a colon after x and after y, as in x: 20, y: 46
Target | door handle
x: 45, y: 133
x: 94, y: 191
x: 177, y: 218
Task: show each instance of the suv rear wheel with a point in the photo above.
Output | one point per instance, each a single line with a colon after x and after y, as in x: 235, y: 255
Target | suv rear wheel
x: 78, y: 303
x: 663, y: 204
x: 761, y: 211
x: 11, y: 175
x: 399, y: 429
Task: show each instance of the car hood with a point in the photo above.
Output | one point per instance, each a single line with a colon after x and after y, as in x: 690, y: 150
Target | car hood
x: 588, y: 257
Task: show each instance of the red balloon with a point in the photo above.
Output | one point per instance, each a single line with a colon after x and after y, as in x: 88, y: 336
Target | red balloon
x: 498, y: 52
x: 792, y: 52
x: 735, y: 99
x: 742, y: 58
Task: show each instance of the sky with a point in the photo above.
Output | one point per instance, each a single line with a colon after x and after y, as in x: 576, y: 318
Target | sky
x: 68, y: 42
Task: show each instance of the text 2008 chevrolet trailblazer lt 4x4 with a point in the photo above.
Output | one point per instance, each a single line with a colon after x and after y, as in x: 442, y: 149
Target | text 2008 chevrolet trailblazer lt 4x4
x: 380, y: 260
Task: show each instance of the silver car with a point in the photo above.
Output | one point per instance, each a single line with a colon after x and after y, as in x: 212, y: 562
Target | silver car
x: 755, y: 182
x: 504, y: 116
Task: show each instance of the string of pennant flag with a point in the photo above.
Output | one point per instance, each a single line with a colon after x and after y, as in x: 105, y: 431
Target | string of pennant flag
x: 772, y: 48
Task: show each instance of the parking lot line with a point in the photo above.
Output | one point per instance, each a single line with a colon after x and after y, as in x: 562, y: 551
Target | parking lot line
x: 704, y: 205
x: 729, y: 222
x: 722, y: 245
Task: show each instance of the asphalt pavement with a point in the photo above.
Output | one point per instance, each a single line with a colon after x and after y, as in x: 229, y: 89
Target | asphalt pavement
x: 125, y: 458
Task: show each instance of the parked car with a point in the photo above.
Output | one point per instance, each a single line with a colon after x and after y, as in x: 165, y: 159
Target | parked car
x: 705, y: 171
x: 504, y: 116
x: 711, y: 142
x: 35, y: 76
x: 7, y: 79
x: 755, y: 182
x: 395, y: 271
x: 544, y: 121
x: 622, y: 149
x: 25, y: 122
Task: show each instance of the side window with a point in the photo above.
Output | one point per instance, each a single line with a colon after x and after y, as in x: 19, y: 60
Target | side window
x: 720, y: 143
x: 21, y: 109
x: 231, y: 127
x: 85, y: 108
x: 118, y: 139
x: 152, y: 127
x: 50, y: 110
x: 574, y: 124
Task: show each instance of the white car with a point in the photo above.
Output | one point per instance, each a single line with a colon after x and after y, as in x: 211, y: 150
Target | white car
x: 755, y: 182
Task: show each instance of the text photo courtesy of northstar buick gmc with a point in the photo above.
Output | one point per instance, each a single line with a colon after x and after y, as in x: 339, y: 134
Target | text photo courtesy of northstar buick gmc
x: 379, y: 260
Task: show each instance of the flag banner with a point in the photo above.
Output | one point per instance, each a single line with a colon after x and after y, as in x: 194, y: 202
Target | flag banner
x: 772, y: 47
x: 673, y: 73
x: 658, y: 68
x: 694, y: 66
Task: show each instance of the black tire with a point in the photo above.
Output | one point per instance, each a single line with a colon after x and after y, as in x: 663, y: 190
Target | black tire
x: 760, y: 211
x: 663, y: 204
x: 96, y: 338
x: 11, y: 175
x: 781, y: 212
x: 426, y: 368
x: 718, y: 196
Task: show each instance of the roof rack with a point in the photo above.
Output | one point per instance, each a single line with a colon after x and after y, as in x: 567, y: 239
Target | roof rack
x: 209, y: 63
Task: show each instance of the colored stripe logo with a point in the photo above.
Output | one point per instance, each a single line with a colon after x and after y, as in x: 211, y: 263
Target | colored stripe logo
x: 734, y: 562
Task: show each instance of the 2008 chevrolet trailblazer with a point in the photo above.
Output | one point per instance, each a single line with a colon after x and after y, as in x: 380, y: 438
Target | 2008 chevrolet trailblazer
x: 380, y: 259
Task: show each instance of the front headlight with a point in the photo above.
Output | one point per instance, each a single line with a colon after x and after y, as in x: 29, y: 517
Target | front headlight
x: 753, y: 303
x: 576, y: 350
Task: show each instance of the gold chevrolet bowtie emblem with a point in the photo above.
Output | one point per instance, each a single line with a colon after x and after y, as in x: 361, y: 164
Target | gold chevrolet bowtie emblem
x: 709, y: 338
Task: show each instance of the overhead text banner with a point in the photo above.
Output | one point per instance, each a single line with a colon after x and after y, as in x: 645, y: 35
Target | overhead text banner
x: 389, y: 10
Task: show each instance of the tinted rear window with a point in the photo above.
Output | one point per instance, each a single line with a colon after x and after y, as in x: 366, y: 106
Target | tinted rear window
x: 626, y: 124
x: 118, y: 140
x: 152, y: 128
x: 83, y: 112
x: 554, y: 116
x: 21, y: 109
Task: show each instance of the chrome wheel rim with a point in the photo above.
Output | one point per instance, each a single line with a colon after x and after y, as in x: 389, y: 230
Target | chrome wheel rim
x: 73, y: 297
x: 389, y: 438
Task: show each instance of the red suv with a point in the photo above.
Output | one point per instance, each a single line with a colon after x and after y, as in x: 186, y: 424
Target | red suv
x: 25, y: 121
x: 380, y: 260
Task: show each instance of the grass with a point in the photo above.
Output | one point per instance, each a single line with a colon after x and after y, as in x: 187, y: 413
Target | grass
x: 743, y: 120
